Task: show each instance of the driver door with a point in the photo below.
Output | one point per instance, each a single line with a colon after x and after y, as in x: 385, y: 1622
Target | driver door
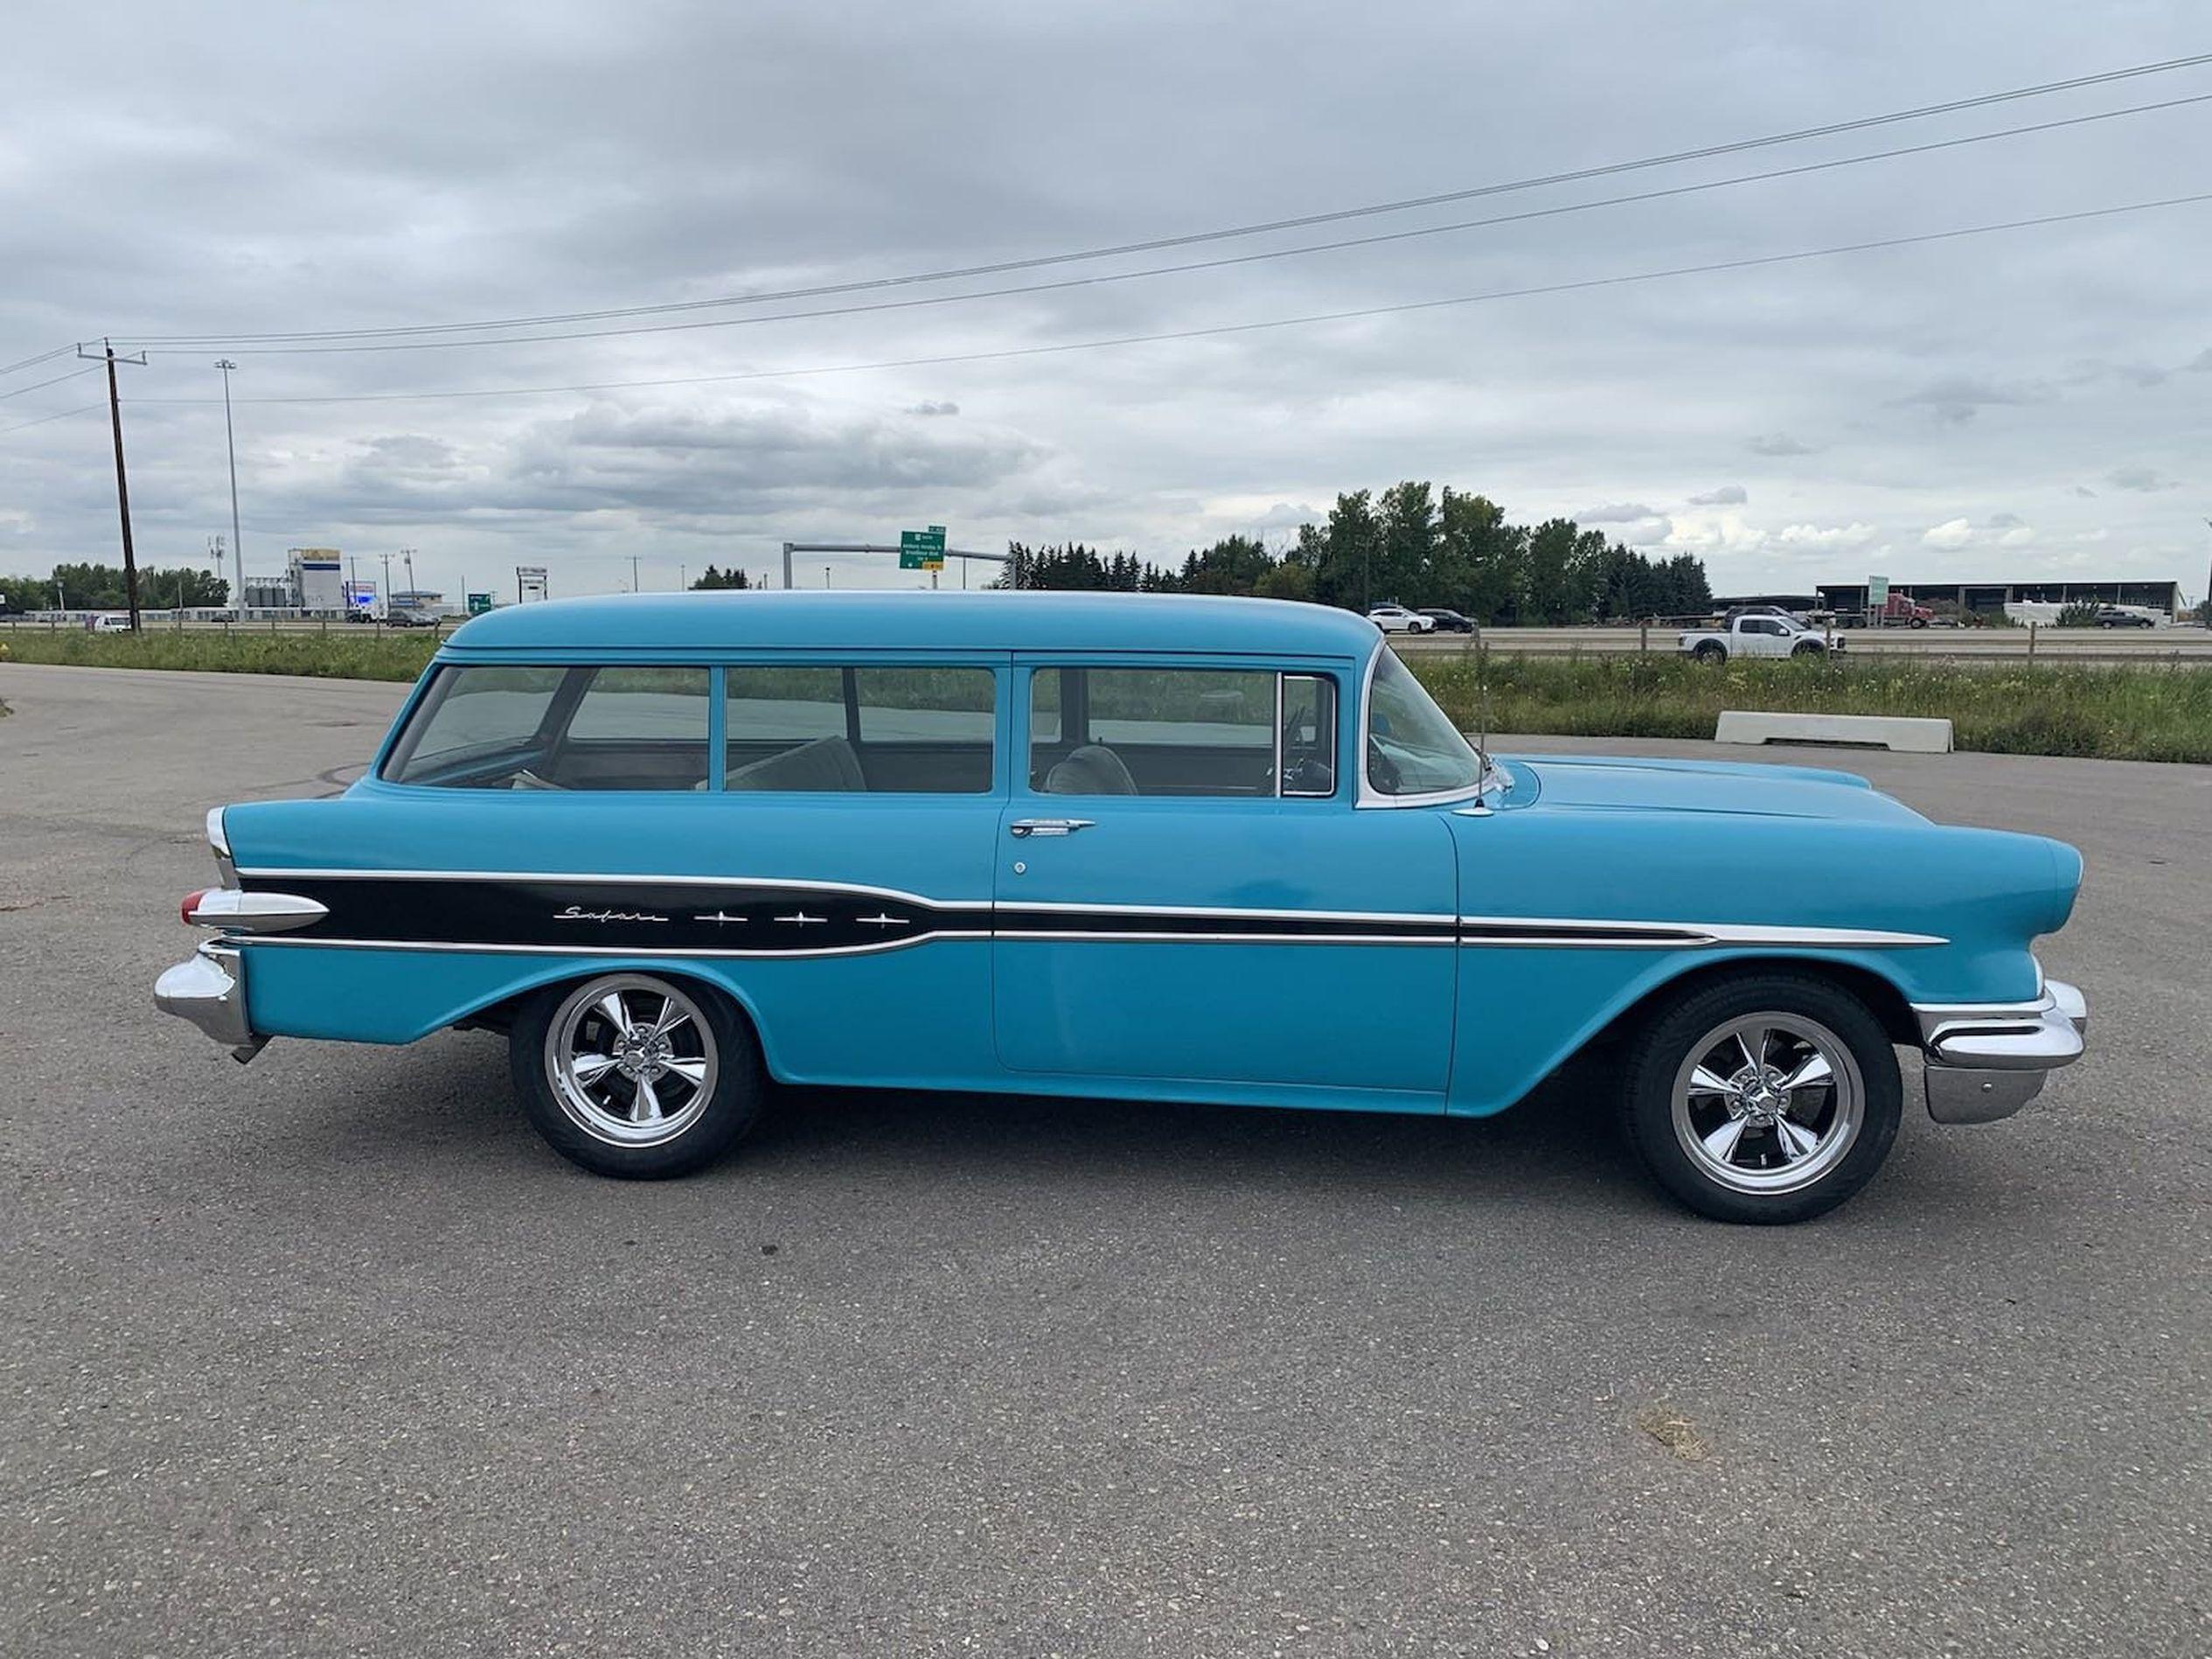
x: 1186, y: 889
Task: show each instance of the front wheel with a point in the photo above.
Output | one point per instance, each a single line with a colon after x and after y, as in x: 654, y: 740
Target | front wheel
x: 637, y: 1076
x: 1764, y: 1097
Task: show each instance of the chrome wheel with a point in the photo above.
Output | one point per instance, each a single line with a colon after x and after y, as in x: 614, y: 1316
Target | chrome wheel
x: 1768, y: 1103
x: 630, y: 1060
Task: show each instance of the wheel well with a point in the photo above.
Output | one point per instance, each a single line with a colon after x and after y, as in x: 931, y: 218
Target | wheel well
x: 500, y: 1016
x: 1884, y: 1000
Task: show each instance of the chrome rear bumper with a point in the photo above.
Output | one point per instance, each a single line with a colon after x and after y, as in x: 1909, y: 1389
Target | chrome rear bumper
x: 1987, y: 1061
x: 209, y: 988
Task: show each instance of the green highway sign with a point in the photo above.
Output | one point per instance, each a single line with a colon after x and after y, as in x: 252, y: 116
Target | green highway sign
x: 923, y: 550
x: 479, y: 604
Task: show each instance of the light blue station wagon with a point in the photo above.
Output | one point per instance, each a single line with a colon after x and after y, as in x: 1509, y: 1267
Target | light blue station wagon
x: 1141, y: 847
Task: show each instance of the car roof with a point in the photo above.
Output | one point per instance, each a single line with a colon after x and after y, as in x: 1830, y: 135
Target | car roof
x: 780, y: 619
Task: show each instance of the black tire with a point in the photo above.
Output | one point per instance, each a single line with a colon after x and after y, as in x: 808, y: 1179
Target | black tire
x: 1919, y: 622
x: 1711, y: 651
x: 1809, y: 651
x: 1851, y: 1132
x: 699, y: 1125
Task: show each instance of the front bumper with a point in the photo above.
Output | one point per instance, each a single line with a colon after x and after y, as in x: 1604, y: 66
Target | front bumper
x: 209, y: 989
x: 1987, y: 1061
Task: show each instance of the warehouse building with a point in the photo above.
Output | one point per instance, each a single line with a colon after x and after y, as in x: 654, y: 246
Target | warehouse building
x: 1995, y: 596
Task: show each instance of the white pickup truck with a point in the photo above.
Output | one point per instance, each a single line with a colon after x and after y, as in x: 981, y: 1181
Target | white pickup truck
x: 1756, y: 637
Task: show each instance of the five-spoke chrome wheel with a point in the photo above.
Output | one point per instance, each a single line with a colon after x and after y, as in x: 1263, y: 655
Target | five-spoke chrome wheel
x: 1768, y: 1102
x: 631, y: 1060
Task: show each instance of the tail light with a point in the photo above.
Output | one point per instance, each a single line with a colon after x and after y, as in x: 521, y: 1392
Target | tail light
x: 192, y: 904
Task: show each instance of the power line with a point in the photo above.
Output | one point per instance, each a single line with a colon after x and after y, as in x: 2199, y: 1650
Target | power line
x: 56, y: 381
x: 1262, y: 227
x: 43, y: 357
x: 1710, y: 269
x: 1063, y: 283
x: 84, y: 408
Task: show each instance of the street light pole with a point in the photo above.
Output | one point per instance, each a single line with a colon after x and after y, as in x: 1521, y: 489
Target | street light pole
x: 230, y: 441
x: 387, y: 590
x: 407, y: 557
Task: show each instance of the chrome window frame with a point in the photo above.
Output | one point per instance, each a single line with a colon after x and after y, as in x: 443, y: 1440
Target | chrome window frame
x: 1369, y: 796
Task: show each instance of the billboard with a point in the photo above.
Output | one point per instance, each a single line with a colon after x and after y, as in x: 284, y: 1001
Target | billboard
x: 530, y: 583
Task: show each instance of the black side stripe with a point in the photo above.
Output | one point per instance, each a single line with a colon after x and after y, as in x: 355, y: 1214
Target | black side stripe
x: 679, y: 915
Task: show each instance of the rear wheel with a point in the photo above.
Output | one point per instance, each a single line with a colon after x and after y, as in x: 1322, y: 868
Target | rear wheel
x: 1711, y: 652
x: 634, y: 1074
x: 1764, y: 1097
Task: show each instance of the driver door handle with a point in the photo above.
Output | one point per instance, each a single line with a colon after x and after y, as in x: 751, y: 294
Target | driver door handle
x: 1024, y: 827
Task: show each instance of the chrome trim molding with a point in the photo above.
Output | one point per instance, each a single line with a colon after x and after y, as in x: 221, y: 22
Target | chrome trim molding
x: 498, y: 949
x: 576, y: 878
x: 1584, y: 934
x: 219, y: 842
x: 235, y: 911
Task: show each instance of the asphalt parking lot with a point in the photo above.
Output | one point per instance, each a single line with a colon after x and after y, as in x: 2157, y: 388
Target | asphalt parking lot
x: 330, y: 1355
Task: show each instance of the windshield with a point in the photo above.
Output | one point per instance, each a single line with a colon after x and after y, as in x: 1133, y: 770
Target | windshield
x: 1413, y: 748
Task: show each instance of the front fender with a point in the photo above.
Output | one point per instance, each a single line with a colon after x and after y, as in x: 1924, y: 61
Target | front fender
x: 1974, y: 900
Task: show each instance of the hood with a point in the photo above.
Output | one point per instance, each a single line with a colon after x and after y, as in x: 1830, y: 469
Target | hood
x: 1594, y: 782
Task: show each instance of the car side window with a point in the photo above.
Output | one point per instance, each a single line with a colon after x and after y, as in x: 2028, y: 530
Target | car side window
x: 551, y: 727
x: 642, y: 728
x: 858, y: 729
x: 1181, y: 731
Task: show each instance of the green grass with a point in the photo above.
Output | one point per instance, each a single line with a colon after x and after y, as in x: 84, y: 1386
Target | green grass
x: 357, y: 653
x: 2113, y: 713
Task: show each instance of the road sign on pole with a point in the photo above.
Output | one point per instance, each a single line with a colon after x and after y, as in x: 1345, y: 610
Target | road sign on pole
x: 923, y: 550
x: 479, y: 604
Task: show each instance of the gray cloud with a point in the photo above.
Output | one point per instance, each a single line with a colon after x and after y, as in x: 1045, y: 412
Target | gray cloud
x: 2143, y: 480
x: 940, y: 407
x: 1616, y: 512
x: 2005, y: 521
x: 1777, y: 443
x: 1728, y: 495
x: 1957, y: 398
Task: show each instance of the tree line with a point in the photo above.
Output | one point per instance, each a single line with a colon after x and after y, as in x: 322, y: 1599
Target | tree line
x: 90, y: 587
x: 1411, y: 545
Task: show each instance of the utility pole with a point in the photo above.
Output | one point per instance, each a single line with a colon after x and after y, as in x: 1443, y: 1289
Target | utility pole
x: 387, y: 596
x: 414, y: 594
x: 683, y: 578
x: 230, y: 441
x: 825, y: 575
x: 2204, y: 611
x: 634, y: 588
x: 122, y: 482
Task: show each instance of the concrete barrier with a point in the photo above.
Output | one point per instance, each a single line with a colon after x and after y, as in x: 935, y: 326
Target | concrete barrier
x: 1863, y: 731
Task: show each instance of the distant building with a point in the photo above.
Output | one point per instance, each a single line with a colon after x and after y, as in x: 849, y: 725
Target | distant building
x: 418, y: 599
x: 1995, y: 596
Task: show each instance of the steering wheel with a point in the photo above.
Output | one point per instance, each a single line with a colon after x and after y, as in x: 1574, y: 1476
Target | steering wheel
x: 1383, y: 771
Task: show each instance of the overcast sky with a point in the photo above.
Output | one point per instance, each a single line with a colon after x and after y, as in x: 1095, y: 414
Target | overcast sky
x: 2027, y: 402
